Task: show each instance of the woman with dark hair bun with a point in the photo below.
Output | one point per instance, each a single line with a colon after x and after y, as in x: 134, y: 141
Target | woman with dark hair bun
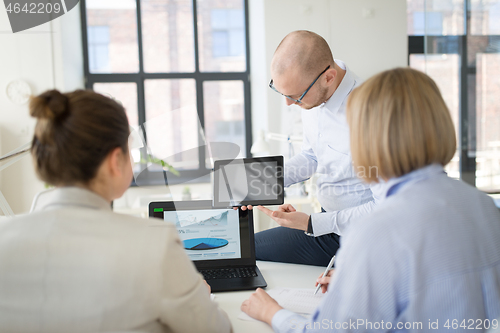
x: 73, y: 265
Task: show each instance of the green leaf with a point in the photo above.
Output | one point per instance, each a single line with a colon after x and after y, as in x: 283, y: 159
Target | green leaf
x: 166, y: 166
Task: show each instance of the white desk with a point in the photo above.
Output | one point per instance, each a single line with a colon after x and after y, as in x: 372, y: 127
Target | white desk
x: 276, y: 275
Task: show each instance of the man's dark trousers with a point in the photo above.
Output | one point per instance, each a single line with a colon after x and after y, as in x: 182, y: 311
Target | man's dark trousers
x: 294, y: 246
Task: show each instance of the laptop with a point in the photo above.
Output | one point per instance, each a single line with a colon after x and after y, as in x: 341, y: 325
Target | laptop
x: 220, y: 242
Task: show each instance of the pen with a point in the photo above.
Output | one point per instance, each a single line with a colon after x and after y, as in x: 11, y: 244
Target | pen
x: 324, y: 274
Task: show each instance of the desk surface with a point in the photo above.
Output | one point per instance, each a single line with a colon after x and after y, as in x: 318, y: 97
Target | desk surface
x: 276, y: 275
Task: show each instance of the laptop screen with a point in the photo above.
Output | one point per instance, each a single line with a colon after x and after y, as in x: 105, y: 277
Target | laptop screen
x: 209, y: 235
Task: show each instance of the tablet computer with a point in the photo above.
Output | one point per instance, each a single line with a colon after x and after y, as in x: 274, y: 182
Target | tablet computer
x: 249, y: 181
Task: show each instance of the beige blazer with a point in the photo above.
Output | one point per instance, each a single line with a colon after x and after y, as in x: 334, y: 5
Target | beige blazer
x: 75, y: 266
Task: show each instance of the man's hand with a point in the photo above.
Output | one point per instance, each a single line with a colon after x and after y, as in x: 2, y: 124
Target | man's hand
x: 324, y: 281
x: 287, y: 216
x: 286, y: 208
x: 261, y: 306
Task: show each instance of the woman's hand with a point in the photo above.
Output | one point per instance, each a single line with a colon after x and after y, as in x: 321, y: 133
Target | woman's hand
x: 261, y: 306
x: 324, y: 280
x: 208, y: 286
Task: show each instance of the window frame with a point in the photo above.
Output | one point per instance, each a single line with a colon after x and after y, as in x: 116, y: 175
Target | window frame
x: 467, y: 103
x: 202, y: 174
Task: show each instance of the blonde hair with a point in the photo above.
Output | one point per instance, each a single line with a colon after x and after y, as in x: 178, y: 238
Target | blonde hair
x: 398, y: 123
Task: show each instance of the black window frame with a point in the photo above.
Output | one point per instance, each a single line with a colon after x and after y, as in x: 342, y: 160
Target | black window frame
x: 202, y: 174
x: 467, y: 80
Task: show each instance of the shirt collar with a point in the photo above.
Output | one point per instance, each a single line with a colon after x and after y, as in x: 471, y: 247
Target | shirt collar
x: 395, y: 185
x: 69, y: 196
x: 343, y: 90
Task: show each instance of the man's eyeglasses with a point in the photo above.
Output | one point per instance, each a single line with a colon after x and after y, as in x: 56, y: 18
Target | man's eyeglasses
x: 305, y: 92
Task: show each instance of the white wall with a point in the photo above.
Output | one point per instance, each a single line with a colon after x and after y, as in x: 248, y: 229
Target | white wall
x: 38, y: 57
x: 369, y: 35
x: 258, y: 66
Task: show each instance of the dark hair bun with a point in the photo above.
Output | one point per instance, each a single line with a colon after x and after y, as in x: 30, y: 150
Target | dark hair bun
x: 74, y: 134
x: 49, y: 105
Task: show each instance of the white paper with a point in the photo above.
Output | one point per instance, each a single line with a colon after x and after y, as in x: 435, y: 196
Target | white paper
x: 302, y: 301
x: 244, y: 316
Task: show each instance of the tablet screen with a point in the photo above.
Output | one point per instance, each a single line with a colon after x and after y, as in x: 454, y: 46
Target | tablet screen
x: 249, y: 181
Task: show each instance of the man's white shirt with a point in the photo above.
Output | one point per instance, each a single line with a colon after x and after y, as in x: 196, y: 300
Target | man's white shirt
x: 326, y: 152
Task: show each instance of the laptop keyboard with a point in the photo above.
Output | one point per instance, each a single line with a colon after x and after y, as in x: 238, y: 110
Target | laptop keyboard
x: 228, y: 273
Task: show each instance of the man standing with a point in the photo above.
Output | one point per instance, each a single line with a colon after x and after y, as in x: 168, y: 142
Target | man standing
x: 304, y: 71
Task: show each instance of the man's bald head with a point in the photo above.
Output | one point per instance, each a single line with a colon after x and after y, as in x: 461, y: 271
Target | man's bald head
x: 303, y: 51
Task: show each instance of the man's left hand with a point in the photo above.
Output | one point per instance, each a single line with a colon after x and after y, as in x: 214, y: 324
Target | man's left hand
x: 288, y: 218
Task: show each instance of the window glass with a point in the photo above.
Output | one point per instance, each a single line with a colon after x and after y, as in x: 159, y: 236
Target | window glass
x: 98, y: 37
x: 488, y: 121
x: 221, y: 34
x: 168, y: 36
x: 172, y: 122
x: 435, y: 17
x: 485, y: 17
x: 224, y: 113
x: 123, y: 93
x: 444, y: 70
x: 112, y: 36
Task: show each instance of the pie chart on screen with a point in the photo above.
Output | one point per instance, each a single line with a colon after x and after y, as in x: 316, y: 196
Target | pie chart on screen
x: 204, y: 243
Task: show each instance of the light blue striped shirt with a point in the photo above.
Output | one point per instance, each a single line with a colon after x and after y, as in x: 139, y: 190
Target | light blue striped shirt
x: 326, y: 151
x: 427, y: 257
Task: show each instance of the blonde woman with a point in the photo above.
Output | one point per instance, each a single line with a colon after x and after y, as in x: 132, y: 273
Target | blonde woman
x: 75, y: 266
x: 428, y: 258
